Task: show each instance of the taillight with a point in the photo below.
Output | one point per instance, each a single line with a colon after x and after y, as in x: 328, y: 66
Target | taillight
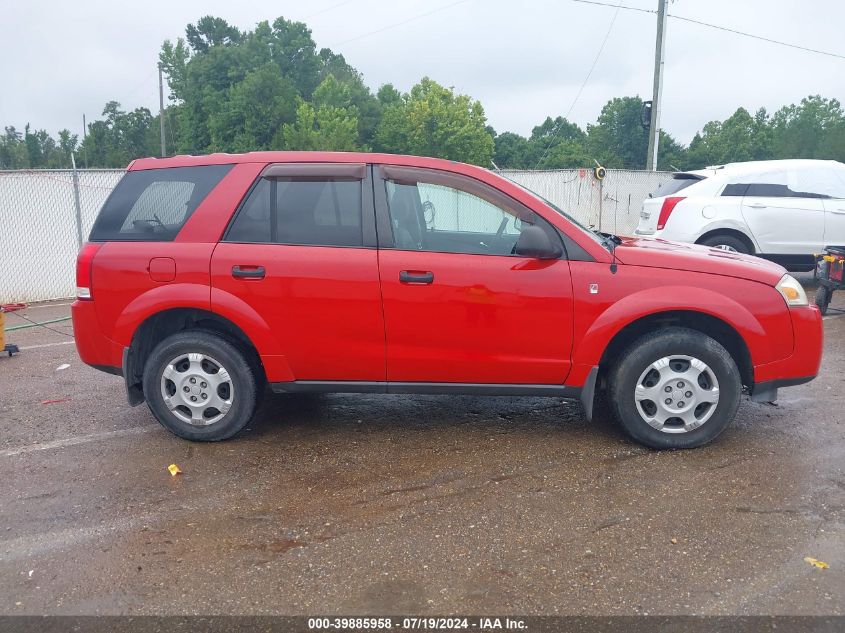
x: 84, y: 265
x: 666, y: 210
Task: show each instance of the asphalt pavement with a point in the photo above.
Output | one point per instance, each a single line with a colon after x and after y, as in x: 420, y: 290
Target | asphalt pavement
x: 374, y: 504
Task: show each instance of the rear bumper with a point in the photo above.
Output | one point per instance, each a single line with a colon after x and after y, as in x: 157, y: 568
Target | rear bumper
x: 93, y: 346
x: 802, y: 365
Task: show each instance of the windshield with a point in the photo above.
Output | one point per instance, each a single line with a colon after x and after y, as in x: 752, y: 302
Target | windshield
x: 594, y: 235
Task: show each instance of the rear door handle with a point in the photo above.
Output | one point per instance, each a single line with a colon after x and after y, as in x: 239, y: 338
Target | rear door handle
x: 416, y: 277
x: 839, y: 211
x: 248, y: 272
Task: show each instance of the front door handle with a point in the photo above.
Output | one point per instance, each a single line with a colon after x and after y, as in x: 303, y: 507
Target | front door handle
x: 839, y: 211
x: 248, y: 272
x: 416, y: 277
x: 757, y: 205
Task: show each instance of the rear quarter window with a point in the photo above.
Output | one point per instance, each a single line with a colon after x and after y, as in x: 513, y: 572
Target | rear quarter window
x: 153, y: 205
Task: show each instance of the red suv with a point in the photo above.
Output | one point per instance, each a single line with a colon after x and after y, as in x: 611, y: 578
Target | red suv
x: 208, y: 277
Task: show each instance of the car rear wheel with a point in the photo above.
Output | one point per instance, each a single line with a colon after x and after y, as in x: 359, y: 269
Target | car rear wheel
x: 729, y: 243
x: 675, y: 388
x: 200, y: 386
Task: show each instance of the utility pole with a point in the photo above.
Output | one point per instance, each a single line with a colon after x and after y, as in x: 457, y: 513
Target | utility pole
x: 161, y: 111
x: 77, y: 207
x: 654, y: 128
x: 84, y: 138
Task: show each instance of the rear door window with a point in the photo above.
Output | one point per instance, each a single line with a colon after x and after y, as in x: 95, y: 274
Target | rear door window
x: 772, y: 184
x: 307, y: 211
x: 801, y: 183
x: 153, y: 205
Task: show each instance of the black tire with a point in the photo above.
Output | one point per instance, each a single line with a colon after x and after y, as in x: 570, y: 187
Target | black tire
x: 823, y: 297
x: 729, y: 241
x: 244, y: 385
x: 634, y: 361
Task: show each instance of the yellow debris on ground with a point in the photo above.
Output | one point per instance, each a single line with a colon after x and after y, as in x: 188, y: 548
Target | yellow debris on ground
x: 816, y: 563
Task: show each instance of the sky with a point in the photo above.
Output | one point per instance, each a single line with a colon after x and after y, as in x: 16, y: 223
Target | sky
x: 524, y: 60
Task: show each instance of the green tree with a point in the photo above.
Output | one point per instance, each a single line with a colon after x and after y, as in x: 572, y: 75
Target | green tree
x: 12, y: 150
x: 832, y: 145
x: 324, y: 128
x: 210, y: 31
x: 66, y: 146
x: 511, y: 151
x: 120, y: 137
x: 557, y: 144
x: 740, y: 137
x: 358, y: 94
x: 256, y: 109
x: 387, y: 95
x: 671, y: 156
x: 432, y: 120
x: 330, y: 122
x: 294, y: 51
x: 801, y: 131
x: 36, y: 149
x: 618, y: 138
x: 236, y: 90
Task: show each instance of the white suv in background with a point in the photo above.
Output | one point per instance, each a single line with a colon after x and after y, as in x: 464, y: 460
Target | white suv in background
x: 782, y: 210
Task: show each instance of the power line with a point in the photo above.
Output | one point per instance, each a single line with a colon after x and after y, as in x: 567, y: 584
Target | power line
x: 327, y: 9
x: 411, y: 19
x: 615, y: 6
x: 756, y: 37
x: 717, y: 27
x: 584, y: 84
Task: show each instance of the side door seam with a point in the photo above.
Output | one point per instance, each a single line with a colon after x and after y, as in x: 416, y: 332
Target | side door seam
x: 372, y: 174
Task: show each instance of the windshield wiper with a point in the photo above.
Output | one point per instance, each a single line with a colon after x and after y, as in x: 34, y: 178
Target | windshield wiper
x: 150, y: 223
x: 610, y: 240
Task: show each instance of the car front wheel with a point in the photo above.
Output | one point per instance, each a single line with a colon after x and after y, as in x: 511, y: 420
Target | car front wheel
x: 674, y: 388
x: 200, y: 386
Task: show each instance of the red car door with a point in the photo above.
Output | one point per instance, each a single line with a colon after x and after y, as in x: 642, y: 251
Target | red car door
x: 299, y: 260
x: 459, y: 306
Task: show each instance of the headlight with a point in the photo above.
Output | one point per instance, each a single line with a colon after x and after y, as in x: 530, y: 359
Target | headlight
x: 792, y: 291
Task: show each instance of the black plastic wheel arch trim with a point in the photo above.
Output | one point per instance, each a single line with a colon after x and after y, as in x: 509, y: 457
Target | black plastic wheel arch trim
x: 767, y: 391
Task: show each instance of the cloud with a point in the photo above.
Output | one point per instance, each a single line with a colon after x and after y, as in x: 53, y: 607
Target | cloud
x: 524, y: 60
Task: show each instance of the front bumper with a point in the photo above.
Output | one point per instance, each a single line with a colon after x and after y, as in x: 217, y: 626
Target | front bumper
x: 804, y: 362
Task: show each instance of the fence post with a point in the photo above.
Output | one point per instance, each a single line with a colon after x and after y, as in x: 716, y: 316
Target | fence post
x: 76, y: 202
x: 601, y: 200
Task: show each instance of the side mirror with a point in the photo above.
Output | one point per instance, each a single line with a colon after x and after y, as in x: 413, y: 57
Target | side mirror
x: 534, y: 242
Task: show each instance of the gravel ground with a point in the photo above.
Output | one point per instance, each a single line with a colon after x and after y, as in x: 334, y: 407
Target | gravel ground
x: 361, y: 504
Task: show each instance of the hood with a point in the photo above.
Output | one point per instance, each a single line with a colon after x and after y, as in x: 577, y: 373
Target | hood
x: 657, y: 253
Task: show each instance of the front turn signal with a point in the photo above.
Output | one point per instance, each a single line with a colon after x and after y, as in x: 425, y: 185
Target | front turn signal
x: 792, y: 291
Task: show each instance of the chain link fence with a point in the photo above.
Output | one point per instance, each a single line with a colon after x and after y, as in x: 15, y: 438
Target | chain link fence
x: 611, y: 205
x: 41, y: 222
x: 40, y: 226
